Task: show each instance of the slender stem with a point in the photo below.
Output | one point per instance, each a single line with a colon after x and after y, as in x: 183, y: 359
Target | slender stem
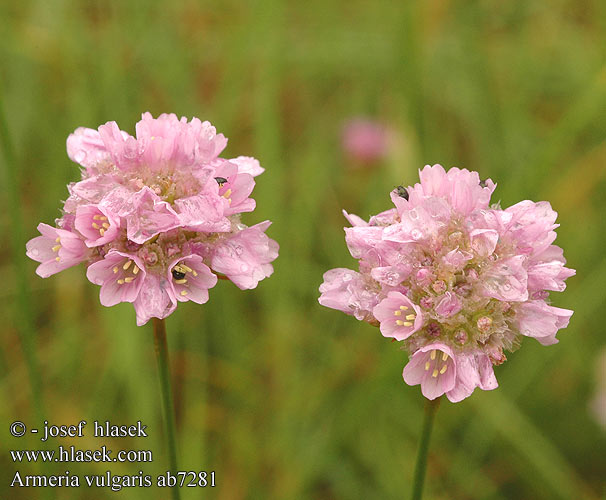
x: 431, y: 407
x: 167, y: 400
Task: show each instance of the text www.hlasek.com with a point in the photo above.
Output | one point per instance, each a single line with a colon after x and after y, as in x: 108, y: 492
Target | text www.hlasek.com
x: 72, y: 454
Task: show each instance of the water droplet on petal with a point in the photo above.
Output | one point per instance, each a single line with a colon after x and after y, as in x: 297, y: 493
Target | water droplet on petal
x: 413, y: 214
x: 391, y: 278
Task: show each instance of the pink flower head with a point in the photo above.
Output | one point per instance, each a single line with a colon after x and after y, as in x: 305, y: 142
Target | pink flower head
x: 157, y: 215
x: 398, y: 316
x: 474, y: 278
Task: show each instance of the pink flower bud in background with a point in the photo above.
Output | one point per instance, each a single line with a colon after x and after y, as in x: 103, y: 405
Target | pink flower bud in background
x: 365, y: 141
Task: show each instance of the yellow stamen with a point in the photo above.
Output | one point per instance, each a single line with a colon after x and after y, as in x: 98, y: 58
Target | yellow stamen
x: 101, y: 231
x: 407, y: 323
x: 444, y: 356
x: 96, y: 226
x: 404, y: 308
x: 115, y: 269
x: 434, y: 374
x: 57, y: 259
x: 127, y: 265
x: 444, y: 368
x: 120, y: 282
x: 183, y: 293
x: 105, y: 225
x: 227, y: 193
x: 399, y: 322
x: 97, y: 217
x: 102, y: 217
x: 433, y: 355
x: 397, y: 313
x: 410, y: 316
x: 185, y: 268
x: 56, y: 248
x: 427, y: 366
x: 58, y: 239
x: 180, y: 282
x: 194, y: 272
x: 135, y: 270
x: 129, y: 279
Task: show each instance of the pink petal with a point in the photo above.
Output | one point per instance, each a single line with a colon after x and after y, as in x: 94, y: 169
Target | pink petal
x: 392, y: 313
x: 198, y: 279
x: 436, y: 375
x: 155, y: 300
x: 248, y: 165
x: 201, y: 213
x: 85, y: 147
x: 245, y: 257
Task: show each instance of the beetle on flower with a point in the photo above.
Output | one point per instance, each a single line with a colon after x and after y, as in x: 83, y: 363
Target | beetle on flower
x: 458, y: 281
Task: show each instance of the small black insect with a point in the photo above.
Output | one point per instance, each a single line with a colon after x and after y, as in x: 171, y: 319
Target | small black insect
x: 178, y: 274
x: 221, y: 180
x: 402, y: 193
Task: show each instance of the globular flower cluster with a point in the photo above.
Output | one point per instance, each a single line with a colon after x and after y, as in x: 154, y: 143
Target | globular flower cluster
x: 156, y: 217
x: 456, y: 280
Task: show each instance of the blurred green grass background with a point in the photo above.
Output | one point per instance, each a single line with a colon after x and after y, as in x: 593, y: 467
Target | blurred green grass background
x: 285, y: 399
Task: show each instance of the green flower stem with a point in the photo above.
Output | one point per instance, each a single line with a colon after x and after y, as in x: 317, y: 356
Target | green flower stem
x: 431, y: 407
x: 167, y: 399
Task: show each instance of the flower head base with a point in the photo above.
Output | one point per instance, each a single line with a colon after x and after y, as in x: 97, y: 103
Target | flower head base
x: 155, y: 215
x: 454, y: 278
